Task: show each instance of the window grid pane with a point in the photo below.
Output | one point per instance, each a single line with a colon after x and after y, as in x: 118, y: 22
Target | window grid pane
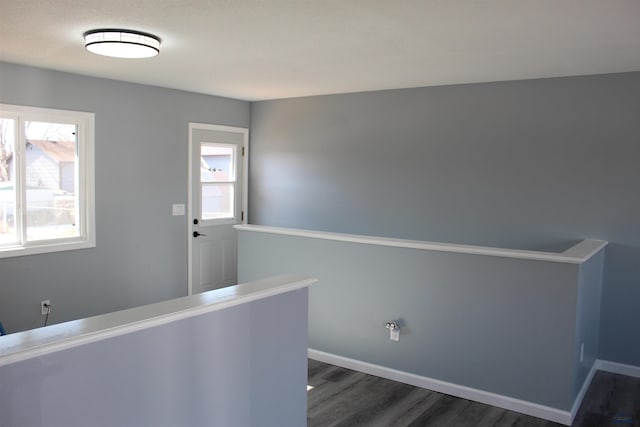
x: 51, y: 180
x: 217, y: 200
x: 8, y: 234
x: 217, y: 163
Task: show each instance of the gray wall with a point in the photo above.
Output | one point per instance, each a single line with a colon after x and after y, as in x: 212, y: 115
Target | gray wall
x: 501, y: 325
x: 226, y: 368
x: 588, y: 315
x: 528, y: 164
x: 141, y: 169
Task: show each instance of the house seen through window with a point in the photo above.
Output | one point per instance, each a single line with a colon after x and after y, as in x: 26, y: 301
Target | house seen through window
x: 46, y: 180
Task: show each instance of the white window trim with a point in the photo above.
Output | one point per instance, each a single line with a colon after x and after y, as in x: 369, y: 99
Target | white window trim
x: 245, y: 177
x: 86, y: 184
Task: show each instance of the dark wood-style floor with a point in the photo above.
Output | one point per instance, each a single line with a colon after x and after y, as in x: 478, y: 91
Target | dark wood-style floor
x: 341, y: 397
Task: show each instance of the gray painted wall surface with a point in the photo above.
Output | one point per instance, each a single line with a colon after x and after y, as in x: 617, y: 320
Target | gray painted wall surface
x: 588, y: 318
x: 279, y: 347
x: 502, y: 325
x: 215, y: 369
x: 527, y: 164
x: 141, y: 170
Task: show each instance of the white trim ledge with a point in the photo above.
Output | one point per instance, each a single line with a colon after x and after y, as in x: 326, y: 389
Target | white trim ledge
x: 37, y: 342
x: 578, y: 254
x: 618, y: 368
x: 522, y: 406
x: 583, y: 391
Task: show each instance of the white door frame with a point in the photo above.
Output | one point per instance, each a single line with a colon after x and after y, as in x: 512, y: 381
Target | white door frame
x: 245, y: 185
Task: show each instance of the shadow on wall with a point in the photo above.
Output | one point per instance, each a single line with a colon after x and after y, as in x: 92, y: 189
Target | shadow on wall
x: 620, y: 302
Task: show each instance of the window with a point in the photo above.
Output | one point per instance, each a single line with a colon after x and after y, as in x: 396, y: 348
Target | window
x: 46, y: 180
x: 217, y: 181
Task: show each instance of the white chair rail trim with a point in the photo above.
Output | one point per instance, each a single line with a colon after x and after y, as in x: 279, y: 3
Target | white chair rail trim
x: 37, y: 342
x: 577, y: 254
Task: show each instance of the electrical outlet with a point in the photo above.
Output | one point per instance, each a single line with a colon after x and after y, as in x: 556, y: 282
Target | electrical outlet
x: 45, y: 307
x: 394, y: 330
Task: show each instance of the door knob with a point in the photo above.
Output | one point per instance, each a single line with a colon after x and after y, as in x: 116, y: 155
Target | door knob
x: 196, y: 234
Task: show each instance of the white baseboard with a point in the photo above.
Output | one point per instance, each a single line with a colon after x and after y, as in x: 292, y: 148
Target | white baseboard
x: 522, y: 406
x: 585, y: 386
x: 618, y: 368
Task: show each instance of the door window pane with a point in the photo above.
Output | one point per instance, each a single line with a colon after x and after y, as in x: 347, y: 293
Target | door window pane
x: 217, y: 200
x: 7, y: 182
x: 218, y: 180
x: 51, y: 180
x: 217, y: 162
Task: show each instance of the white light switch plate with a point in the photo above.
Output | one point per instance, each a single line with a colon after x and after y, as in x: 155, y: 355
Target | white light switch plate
x: 178, y: 209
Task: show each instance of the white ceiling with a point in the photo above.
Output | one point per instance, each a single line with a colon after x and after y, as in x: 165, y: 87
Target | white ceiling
x: 267, y: 49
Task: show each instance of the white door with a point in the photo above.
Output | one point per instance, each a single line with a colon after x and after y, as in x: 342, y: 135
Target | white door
x: 217, y: 201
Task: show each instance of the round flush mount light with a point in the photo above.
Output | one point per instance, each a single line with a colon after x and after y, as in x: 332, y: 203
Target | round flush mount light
x: 122, y: 43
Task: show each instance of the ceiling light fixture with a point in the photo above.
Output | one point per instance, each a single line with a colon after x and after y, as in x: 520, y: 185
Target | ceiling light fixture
x: 122, y: 43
